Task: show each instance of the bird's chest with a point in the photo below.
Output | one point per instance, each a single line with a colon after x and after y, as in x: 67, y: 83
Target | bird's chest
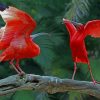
x: 24, y: 48
x: 18, y: 43
x: 76, y: 43
x: 76, y: 40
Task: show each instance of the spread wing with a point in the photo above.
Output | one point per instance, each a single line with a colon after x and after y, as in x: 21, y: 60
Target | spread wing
x: 18, y: 23
x: 93, y: 28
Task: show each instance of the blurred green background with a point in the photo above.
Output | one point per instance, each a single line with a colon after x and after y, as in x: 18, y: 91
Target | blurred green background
x: 55, y: 58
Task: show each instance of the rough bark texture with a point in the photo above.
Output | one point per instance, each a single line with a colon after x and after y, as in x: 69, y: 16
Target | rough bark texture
x: 48, y: 84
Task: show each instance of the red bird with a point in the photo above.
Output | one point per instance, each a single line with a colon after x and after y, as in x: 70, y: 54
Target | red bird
x: 78, y: 33
x: 15, y: 40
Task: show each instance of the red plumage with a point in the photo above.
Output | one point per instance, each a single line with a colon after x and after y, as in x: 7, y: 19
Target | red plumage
x: 15, y: 40
x: 78, y: 33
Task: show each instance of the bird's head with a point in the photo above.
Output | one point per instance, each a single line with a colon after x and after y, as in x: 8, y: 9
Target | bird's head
x: 65, y: 21
x: 76, y: 24
x: 36, y: 47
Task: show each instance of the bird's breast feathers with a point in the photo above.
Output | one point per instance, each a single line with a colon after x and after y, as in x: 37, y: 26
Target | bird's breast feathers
x: 25, y: 48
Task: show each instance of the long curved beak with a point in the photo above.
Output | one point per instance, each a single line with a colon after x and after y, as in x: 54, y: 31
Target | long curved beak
x: 38, y: 34
x: 76, y: 24
x: 73, y: 22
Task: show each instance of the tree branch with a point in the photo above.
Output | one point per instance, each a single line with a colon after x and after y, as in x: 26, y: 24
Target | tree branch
x: 48, y: 84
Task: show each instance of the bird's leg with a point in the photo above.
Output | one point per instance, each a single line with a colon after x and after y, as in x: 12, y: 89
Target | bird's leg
x: 11, y: 62
x: 75, y: 68
x: 94, y: 81
x: 18, y: 68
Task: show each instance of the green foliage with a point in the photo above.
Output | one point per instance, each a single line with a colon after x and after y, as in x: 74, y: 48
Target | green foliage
x: 55, y: 58
x: 23, y: 95
x: 75, y: 95
x: 95, y: 69
x: 77, y: 9
x: 42, y: 96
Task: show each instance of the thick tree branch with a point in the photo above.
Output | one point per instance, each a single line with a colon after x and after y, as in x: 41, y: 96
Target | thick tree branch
x: 48, y: 84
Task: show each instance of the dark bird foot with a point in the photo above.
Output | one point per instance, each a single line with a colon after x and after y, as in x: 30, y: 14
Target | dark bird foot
x: 22, y: 73
x: 94, y: 82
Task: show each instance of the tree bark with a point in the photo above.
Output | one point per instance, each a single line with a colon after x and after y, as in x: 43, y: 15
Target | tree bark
x: 48, y: 84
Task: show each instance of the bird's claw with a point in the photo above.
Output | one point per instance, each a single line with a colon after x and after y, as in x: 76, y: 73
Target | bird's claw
x: 94, y: 82
x: 22, y: 73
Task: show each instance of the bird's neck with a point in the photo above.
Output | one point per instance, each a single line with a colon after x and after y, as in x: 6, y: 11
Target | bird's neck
x: 71, y: 28
x: 35, y: 49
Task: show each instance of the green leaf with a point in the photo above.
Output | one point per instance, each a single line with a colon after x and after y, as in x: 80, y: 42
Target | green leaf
x: 75, y: 96
x: 23, y: 95
x: 77, y: 9
x: 42, y: 96
x: 95, y: 69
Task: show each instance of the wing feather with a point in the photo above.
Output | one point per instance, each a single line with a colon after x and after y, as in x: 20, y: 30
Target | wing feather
x: 18, y: 23
x: 93, y: 28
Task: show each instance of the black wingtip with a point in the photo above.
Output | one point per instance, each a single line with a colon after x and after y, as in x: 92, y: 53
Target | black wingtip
x: 3, y: 6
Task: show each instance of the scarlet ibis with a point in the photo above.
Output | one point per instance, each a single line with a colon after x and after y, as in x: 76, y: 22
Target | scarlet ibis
x: 78, y: 32
x: 15, y: 40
